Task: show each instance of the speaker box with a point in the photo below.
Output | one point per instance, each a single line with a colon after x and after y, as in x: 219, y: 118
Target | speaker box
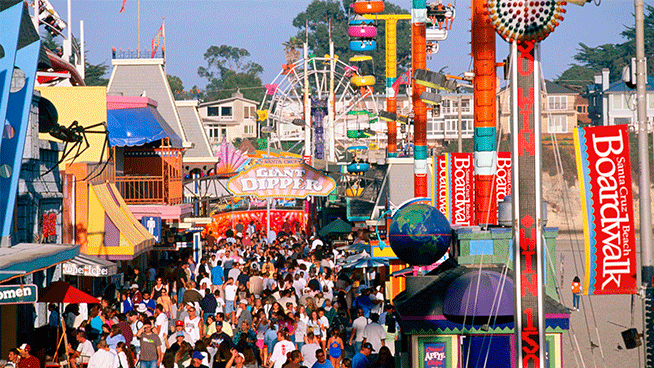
x: 631, y: 338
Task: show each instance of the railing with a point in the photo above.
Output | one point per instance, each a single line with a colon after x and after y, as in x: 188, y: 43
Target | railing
x: 150, y: 189
x: 136, y: 54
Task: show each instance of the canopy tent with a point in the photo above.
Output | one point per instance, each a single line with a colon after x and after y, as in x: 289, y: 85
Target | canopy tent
x: 25, y: 258
x: 337, y: 226
x: 138, y: 126
x: 63, y: 292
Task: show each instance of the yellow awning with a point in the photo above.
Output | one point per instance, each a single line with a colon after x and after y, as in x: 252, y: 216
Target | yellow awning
x: 113, y: 231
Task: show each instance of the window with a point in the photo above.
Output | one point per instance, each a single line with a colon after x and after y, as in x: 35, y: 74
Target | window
x: 226, y: 111
x: 622, y: 121
x: 582, y: 109
x: 557, y: 124
x: 557, y: 102
x: 248, y: 112
x: 248, y: 129
x: 223, y: 132
x: 212, y: 111
x: 650, y: 101
x: 620, y: 102
x: 213, y: 132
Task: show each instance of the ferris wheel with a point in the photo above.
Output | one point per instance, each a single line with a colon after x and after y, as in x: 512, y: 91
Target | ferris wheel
x: 310, y: 104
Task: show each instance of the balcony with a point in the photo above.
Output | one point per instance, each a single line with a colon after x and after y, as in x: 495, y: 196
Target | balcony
x: 142, y: 189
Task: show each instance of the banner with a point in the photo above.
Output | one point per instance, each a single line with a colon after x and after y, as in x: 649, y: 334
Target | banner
x: 281, y: 178
x: 604, y: 171
x: 462, y: 189
x: 503, y: 176
x: 436, y: 355
x: 442, y: 184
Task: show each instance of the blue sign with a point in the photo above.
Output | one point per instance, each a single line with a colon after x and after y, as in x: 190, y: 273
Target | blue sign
x: 153, y: 225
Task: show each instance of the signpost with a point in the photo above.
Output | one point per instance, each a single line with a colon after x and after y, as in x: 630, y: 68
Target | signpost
x: 18, y: 294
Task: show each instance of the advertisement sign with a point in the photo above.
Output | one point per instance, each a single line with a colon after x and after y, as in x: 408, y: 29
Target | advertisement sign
x: 436, y: 354
x: 604, y: 171
x: 503, y: 176
x: 223, y: 221
x: 153, y: 225
x: 18, y: 294
x: 93, y: 270
x: 442, y: 184
x: 281, y: 178
x: 462, y: 189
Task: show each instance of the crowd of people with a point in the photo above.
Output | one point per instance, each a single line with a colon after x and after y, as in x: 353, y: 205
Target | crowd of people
x: 247, y: 303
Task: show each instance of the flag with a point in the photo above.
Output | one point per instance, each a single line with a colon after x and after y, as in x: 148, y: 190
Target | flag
x: 155, y: 41
x: 123, y: 8
x: 404, y: 78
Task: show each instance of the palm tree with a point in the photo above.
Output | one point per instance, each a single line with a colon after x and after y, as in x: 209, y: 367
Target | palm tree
x: 291, y: 49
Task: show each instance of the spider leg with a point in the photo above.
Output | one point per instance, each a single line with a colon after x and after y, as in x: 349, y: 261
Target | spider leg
x: 105, y: 144
x: 65, y: 154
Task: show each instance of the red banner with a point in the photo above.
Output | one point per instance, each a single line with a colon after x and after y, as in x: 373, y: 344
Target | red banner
x: 462, y: 188
x: 503, y: 176
x: 442, y: 185
x: 607, y: 206
x: 223, y: 221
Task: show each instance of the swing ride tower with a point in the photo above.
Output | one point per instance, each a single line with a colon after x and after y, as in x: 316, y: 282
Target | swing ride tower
x: 419, y: 61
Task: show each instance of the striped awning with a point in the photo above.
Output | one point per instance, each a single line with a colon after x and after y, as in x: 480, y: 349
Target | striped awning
x: 85, y: 265
x: 113, y: 232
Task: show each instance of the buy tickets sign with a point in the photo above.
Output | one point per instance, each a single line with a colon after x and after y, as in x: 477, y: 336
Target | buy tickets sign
x: 281, y: 178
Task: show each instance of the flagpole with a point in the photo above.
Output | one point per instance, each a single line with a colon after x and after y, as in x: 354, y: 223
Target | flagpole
x: 163, y: 51
x: 138, y: 29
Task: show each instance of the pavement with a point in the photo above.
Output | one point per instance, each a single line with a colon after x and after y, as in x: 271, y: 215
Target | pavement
x: 596, y: 328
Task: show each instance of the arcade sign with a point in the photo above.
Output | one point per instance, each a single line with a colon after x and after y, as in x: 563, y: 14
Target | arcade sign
x: 281, y: 178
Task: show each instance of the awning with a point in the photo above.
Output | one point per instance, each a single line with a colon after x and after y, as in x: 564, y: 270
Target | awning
x: 25, y: 258
x: 85, y: 265
x: 113, y: 232
x: 337, y: 226
x: 138, y: 126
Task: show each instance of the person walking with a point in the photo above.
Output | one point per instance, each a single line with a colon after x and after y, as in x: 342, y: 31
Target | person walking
x: 151, y: 354
x: 103, y: 357
x: 576, y: 293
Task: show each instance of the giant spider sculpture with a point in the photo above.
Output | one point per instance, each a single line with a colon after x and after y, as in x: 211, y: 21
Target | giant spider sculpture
x: 73, y: 136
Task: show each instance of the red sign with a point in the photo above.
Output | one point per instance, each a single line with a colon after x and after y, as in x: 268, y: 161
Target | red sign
x: 442, y: 185
x: 228, y: 220
x: 307, y: 159
x: 607, y: 206
x: 49, y: 224
x: 503, y: 176
x: 462, y: 188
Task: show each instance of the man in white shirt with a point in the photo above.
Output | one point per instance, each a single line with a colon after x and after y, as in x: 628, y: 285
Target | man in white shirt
x: 377, y: 298
x: 358, y: 325
x: 374, y: 333
x: 161, y: 325
x: 230, y: 289
x: 103, y: 358
x: 84, y: 350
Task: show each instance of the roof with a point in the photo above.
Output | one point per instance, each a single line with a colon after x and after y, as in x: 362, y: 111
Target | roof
x: 219, y: 102
x: 337, y: 226
x: 146, y: 77
x: 188, y: 114
x: 421, y: 304
x: 622, y: 87
x: 30, y: 257
x: 138, y: 126
x: 554, y: 88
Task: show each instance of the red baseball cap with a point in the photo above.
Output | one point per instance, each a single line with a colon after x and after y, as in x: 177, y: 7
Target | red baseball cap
x: 179, y: 323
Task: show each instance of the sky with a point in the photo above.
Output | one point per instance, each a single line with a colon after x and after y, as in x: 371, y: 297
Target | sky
x: 261, y: 26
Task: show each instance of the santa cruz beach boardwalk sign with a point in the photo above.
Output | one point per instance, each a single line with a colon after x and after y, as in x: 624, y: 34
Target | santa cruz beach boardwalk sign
x: 281, y: 178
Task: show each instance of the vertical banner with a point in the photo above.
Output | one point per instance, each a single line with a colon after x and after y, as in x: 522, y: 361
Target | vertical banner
x: 503, y: 176
x: 527, y: 193
x: 462, y: 188
x: 442, y: 184
x: 604, y: 171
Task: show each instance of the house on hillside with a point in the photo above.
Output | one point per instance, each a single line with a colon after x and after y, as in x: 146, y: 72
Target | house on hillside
x: 558, y: 109
x: 230, y: 118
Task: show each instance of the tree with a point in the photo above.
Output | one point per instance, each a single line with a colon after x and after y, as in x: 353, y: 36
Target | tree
x: 577, y: 76
x: 228, y: 71
x: 94, y: 74
x: 319, y: 12
x: 50, y: 43
x: 291, y: 49
x: 177, y: 87
x: 612, y: 56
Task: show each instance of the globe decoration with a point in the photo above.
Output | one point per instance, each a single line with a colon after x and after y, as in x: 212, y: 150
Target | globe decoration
x: 419, y: 234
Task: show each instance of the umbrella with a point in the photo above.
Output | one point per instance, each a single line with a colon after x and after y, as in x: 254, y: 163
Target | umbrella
x: 337, y: 226
x: 63, y: 292
x: 363, y: 260
x: 480, y: 297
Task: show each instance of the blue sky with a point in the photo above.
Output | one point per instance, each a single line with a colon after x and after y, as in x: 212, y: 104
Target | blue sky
x: 260, y: 26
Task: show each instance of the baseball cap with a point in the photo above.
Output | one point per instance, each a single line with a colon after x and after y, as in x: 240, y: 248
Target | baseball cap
x: 179, y: 323
x: 180, y: 333
x: 134, y: 286
x: 243, y: 301
x: 367, y: 345
x: 197, y: 355
x: 24, y: 347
